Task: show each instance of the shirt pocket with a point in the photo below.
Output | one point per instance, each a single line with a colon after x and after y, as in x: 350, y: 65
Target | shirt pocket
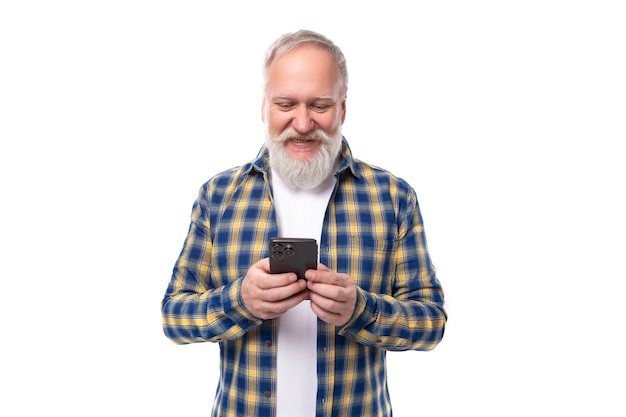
x: 373, y: 262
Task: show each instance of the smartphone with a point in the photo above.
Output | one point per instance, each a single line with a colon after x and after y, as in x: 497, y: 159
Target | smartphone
x: 292, y: 255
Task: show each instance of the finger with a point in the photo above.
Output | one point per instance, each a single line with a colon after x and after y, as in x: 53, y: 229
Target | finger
x: 322, y: 267
x: 263, y: 279
x: 264, y: 265
x: 294, y: 300
x: 269, y: 310
x: 277, y: 294
x: 327, y: 312
x: 322, y: 302
x: 328, y: 291
x: 328, y: 277
x: 271, y: 281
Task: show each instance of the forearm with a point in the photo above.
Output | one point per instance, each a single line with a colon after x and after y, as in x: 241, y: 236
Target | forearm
x: 394, y: 324
x: 208, y: 316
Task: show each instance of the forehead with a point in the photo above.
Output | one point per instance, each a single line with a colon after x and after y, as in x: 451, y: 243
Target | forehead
x: 305, y: 69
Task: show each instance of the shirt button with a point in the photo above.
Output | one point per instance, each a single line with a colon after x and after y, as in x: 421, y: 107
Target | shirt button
x: 268, y: 343
x: 267, y: 394
x: 323, y: 400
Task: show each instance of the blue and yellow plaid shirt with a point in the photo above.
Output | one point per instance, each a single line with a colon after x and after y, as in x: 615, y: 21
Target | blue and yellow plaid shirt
x: 372, y: 231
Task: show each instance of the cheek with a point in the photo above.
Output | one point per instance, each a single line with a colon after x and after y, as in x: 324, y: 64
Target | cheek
x: 330, y: 122
x: 277, y: 123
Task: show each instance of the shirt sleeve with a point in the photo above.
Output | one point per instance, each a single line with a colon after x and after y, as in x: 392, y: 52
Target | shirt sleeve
x: 194, y: 308
x: 412, y: 316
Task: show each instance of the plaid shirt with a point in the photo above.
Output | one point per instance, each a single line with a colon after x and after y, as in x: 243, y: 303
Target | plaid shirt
x: 372, y: 231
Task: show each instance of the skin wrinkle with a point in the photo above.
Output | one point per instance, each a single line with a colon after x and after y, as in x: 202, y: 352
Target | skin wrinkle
x: 304, y: 141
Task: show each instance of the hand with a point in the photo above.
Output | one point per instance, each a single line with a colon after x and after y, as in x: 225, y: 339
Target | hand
x: 333, y: 295
x: 268, y: 296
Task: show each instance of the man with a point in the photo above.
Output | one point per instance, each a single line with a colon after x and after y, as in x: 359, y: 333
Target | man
x: 313, y: 347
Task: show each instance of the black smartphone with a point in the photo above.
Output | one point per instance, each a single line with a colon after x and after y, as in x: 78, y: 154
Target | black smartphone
x: 292, y: 255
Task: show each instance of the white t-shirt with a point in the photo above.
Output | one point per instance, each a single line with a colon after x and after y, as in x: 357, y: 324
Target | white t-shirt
x: 300, y: 214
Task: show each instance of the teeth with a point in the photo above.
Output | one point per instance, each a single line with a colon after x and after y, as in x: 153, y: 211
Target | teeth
x: 300, y: 140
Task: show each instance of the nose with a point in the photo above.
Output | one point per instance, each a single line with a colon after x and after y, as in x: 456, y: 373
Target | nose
x: 302, y: 121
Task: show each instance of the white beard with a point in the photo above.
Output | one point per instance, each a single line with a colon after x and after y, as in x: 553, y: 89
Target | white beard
x: 303, y: 174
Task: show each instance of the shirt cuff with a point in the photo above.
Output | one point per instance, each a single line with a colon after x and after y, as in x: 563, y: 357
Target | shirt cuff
x: 234, y: 307
x: 364, y: 314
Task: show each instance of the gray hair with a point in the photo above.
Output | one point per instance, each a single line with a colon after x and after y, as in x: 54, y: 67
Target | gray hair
x: 291, y: 41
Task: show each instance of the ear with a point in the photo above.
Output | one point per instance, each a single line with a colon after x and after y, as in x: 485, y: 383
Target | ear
x: 343, y: 111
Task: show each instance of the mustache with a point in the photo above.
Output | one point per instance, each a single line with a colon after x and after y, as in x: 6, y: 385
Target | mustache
x: 291, y: 133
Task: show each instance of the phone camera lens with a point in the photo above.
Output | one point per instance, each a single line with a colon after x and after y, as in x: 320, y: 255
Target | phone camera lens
x: 289, y: 250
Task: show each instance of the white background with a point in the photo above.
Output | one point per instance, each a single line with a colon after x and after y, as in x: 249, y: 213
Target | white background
x: 507, y: 117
